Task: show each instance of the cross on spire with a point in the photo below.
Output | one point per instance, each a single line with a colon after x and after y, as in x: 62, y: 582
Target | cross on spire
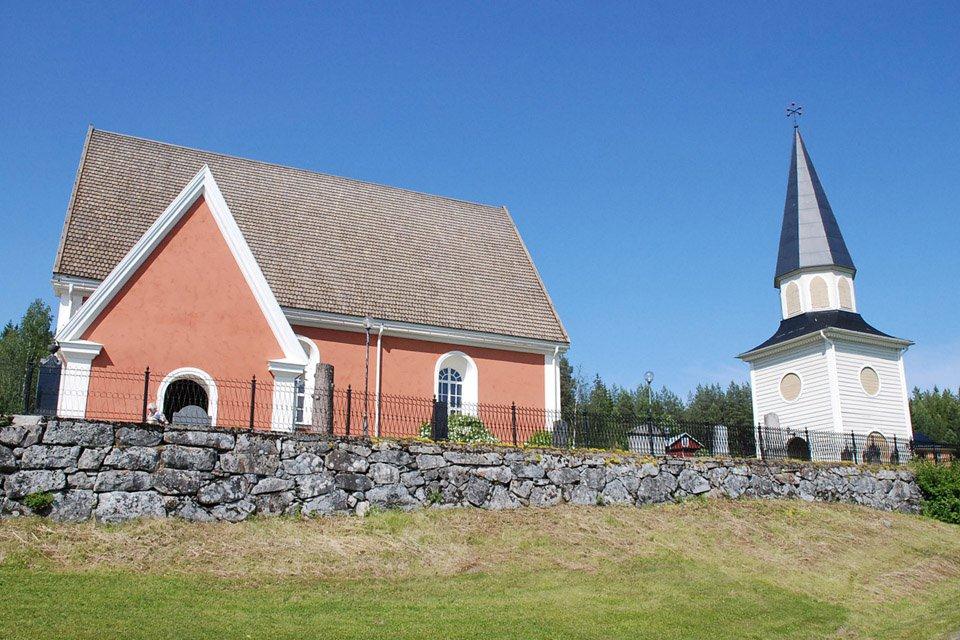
x: 794, y: 111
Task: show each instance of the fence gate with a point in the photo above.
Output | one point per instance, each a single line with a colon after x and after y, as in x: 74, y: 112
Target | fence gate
x: 48, y: 386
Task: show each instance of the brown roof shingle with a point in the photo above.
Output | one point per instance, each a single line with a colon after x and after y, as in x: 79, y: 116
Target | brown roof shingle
x: 324, y: 243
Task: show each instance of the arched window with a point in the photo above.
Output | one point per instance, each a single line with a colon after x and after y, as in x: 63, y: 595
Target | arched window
x: 455, y: 382
x: 819, y: 295
x: 191, y: 391
x: 793, y: 299
x: 450, y: 389
x: 184, y: 401
x: 846, y: 294
x: 304, y: 385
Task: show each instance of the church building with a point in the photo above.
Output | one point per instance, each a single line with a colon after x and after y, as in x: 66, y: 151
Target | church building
x: 234, y: 280
x: 825, y: 369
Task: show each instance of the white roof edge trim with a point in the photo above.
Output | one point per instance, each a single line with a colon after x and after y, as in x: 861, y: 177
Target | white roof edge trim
x: 868, y: 338
x: 749, y: 356
x: 429, y: 333
x: 829, y: 332
x: 203, y: 185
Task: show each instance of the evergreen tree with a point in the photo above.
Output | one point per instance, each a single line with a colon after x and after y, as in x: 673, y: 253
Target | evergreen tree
x: 20, y: 344
x: 936, y: 413
x: 568, y: 387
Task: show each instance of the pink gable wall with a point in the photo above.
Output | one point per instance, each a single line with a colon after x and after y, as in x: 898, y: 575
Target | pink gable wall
x: 188, y: 305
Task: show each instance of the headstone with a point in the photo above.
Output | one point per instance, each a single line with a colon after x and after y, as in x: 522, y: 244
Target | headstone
x: 561, y: 433
x: 192, y: 415
x: 322, y: 416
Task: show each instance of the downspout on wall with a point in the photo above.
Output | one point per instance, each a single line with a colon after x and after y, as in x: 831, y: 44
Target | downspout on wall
x: 376, y: 418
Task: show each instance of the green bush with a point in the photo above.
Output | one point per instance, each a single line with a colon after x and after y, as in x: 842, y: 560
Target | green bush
x: 940, y: 485
x: 463, y: 428
x: 541, y: 438
x: 39, y: 500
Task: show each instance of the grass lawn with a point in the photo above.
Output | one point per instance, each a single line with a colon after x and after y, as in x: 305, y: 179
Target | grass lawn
x: 716, y: 569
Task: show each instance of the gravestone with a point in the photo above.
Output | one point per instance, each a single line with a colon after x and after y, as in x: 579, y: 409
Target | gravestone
x: 322, y: 416
x: 192, y: 415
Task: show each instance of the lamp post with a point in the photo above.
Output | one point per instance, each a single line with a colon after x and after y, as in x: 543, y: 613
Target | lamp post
x: 367, y: 325
x: 648, y: 376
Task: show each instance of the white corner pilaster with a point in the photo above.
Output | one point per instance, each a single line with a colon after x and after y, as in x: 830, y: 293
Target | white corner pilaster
x: 834, y: 381
x: 905, y: 395
x: 284, y: 401
x: 76, y: 357
x: 69, y: 300
x: 551, y: 388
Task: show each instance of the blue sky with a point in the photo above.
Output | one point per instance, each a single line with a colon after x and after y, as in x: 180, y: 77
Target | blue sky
x: 642, y: 150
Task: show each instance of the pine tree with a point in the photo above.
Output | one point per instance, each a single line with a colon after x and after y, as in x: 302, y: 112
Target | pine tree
x: 20, y: 344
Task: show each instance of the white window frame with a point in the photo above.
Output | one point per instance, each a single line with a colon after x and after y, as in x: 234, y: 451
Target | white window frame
x: 454, y: 386
x: 467, y: 368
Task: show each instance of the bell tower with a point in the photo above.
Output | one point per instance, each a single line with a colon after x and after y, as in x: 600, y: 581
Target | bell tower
x: 825, y: 368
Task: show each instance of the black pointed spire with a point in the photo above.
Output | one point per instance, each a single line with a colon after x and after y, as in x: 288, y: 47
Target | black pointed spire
x: 810, y: 236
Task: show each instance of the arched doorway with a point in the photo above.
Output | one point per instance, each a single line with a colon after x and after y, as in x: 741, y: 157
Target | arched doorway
x: 876, y: 449
x: 184, y: 392
x: 798, y: 448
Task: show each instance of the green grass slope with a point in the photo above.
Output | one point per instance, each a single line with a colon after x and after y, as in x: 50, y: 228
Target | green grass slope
x: 718, y: 569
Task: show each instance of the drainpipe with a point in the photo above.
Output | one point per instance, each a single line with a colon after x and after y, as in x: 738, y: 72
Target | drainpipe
x: 376, y: 393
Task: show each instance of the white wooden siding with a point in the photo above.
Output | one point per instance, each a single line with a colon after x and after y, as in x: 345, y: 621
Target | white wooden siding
x: 863, y: 413
x: 813, y: 409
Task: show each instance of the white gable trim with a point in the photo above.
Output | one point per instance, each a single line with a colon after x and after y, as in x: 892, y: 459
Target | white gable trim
x: 202, y: 185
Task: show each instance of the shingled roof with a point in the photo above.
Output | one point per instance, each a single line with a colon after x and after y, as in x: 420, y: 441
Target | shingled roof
x: 810, y: 236
x: 324, y: 243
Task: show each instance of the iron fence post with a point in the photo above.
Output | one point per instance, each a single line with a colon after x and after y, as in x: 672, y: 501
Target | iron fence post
x: 513, y: 421
x: 806, y: 434
x: 349, y: 403
x: 650, y: 436
x: 146, y: 395
x: 853, y: 445
x: 253, y: 399
x: 27, y: 386
x: 760, y: 440
x: 896, y: 451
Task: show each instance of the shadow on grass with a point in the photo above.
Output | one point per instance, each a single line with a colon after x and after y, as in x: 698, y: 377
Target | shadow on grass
x: 661, y: 597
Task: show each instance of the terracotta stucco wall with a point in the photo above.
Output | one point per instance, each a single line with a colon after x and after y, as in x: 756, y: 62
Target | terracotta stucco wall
x: 188, y: 305
x: 408, y: 365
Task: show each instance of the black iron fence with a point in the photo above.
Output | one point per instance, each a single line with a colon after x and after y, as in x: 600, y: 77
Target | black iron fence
x: 190, y: 397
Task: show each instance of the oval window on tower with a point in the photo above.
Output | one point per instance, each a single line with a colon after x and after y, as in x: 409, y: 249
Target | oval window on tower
x: 790, y: 387
x: 870, y: 381
x: 819, y: 296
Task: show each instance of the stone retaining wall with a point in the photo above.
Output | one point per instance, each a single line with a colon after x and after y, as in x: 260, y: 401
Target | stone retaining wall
x: 115, y: 472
